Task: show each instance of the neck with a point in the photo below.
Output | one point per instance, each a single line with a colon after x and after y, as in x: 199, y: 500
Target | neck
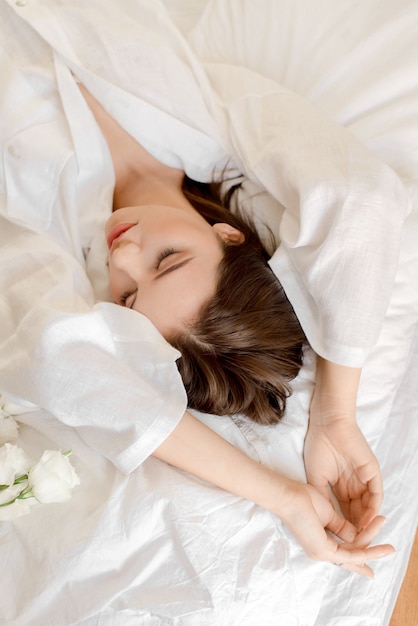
x: 152, y: 187
x: 139, y: 177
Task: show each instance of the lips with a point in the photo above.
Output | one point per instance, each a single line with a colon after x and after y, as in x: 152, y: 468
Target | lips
x: 116, y: 232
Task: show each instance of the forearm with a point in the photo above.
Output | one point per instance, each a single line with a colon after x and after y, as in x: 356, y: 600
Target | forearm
x: 336, y: 452
x: 195, y: 448
x: 335, y: 392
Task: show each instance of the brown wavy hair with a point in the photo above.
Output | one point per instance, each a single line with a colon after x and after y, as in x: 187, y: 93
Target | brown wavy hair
x: 247, y: 345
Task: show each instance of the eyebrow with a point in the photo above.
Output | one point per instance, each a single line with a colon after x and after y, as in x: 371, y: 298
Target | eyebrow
x: 173, y: 268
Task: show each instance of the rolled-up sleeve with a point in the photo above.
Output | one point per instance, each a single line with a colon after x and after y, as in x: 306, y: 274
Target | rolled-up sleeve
x: 344, y: 210
x: 101, y: 369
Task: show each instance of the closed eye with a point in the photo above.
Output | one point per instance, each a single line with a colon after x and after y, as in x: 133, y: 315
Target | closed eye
x: 163, y: 255
x: 123, y: 301
x: 174, y: 267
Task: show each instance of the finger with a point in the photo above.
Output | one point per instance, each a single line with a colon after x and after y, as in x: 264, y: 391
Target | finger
x: 361, y: 569
x: 346, y: 510
x: 344, y: 501
x: 312, y: 536
x: 366, y: 517
x: 320, y: 485
x: 354, y: 556
x: 366, y: 536
x: 374, y: 500
x: 341, y: 528
x: 355, y: 550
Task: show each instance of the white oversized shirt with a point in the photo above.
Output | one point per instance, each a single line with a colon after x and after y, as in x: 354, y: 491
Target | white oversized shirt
x: 105, y: 370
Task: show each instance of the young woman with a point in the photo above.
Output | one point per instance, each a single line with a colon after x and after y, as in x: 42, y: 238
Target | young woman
x: 170, y: 264
x: 164, y: 261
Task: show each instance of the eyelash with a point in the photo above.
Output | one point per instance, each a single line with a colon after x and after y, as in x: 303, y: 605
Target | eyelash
x: 163, y: 255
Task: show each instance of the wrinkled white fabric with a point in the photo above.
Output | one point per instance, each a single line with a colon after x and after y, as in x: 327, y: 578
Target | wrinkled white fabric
x: 99, y: 368
x: 58, y: 181
x: 57, y: 350
x: 342, y: 209
x: 160, y: 547
x: 273, y: 133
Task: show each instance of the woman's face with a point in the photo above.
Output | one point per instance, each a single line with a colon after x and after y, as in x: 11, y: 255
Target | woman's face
x: 163, y: 262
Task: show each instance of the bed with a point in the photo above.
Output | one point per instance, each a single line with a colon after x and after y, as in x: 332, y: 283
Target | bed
x: 160, y: 547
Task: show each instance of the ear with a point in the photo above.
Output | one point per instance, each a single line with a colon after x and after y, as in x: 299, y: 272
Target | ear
x: 228, y: 233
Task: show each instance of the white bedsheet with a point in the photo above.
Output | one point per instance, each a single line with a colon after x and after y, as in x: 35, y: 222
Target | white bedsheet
x: 160, y: 547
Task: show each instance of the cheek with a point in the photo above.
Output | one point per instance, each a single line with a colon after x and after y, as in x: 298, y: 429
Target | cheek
x: 155, y: 312
x: 171, y: 307
x: 114, y: 291
x: 116, y: 287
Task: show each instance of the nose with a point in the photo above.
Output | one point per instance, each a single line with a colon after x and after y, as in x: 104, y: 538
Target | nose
x: 126, y: 258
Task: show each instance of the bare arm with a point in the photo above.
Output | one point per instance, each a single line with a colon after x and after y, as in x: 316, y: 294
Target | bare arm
x: 338, y: 386
x: 197, y: 449
x: 336, y: 452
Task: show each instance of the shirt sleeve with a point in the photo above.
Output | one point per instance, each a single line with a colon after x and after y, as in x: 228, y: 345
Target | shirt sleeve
x: 101, y: 369
x: 342, y: 210
x: 343, y: 216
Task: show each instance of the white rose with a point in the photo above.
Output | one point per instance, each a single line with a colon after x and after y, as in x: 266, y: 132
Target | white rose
x: 13, y: 462
x: 53, y: 477
x: 8, y: 429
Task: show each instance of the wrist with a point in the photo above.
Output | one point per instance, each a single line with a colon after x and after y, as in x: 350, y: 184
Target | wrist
x: 276, y: 493
x: 338, y: 380
x: 335, y: 395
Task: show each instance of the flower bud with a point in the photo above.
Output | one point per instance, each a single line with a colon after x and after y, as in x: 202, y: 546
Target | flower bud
x: 13, y: 462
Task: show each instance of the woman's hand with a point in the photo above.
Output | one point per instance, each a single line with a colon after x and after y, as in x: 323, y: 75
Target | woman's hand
x: 338, y: 455
x: 307, y: 514
x: 336, y: 452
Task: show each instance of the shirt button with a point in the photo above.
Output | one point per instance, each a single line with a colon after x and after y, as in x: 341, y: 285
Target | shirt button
x: 21, y: 3
x: 14, y: 152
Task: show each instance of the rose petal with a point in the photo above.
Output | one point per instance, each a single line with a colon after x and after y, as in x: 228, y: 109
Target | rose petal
x: 53, y: 477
